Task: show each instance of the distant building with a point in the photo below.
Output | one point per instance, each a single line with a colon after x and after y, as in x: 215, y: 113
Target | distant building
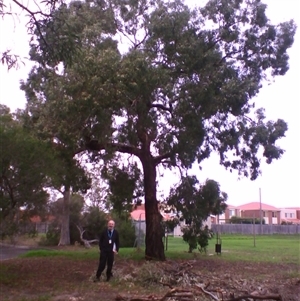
x: 290, y: 215
x: 224, y: 218
x: 270, y: 214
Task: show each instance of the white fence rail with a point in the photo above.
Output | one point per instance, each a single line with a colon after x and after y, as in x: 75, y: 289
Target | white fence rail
x: 248, y: 229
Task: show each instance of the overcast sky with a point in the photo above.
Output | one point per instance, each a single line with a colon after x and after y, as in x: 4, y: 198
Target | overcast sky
x: 280, y: 181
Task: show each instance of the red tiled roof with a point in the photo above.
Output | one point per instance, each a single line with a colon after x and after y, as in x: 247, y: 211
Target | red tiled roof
x: 295, y: 208
x: 37, y: 219
x: 256, y: 206
x: 138, y: 214
x: 232, y: 206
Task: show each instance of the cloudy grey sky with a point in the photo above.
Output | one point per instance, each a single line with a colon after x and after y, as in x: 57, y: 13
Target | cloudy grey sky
x: 280, y: 181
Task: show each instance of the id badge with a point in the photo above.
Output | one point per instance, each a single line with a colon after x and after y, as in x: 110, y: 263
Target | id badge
x: 109, y: 241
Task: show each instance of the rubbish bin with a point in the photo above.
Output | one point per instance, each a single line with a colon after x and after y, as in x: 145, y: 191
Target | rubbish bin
x: 218, y: 247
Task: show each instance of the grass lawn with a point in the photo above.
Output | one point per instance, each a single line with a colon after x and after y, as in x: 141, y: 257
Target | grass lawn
x: 271, y: 248
x: 267, y: 248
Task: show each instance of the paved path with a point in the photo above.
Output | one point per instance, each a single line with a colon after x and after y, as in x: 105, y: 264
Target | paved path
x: 8, y: 252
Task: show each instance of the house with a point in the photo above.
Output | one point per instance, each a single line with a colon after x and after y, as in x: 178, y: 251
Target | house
x: 290, y: 215
x: 138, y: 216
x: 230, y: 211
x: 178, y: 232
x: 270, y: 214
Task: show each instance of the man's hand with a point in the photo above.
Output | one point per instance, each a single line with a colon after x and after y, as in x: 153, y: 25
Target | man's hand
x: 115, y: 252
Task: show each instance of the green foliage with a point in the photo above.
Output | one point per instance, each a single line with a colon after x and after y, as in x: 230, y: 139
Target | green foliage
x: 25, y: 163
x: 52, y: 236
x: 125, y: 185
x: 190, y: 237
x: 93, y: 222
x: 126, y: 230
x: 155, y: 86
x: 194, y: 203
x: 169, y: 225
x: 180, y: 91
x: 286, y: 223
x: 203, y: 238
x: 197, y: 238
x: 241, y: 220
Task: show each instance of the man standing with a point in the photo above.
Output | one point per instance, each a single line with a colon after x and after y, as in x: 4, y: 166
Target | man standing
x: 109, y: 246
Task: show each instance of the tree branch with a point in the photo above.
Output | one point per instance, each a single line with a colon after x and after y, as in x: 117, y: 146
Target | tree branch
x: 159, y: 159
x: 94, y: 145
x: 35, y: 21
x: 31, y: 13
x: 85, y: 241
x: 162, y: 107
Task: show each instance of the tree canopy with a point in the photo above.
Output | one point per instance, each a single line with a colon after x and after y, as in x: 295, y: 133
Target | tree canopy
x: 181, y: 88
x: 24, y: 169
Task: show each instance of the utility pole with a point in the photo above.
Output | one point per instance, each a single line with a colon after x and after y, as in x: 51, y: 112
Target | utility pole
x: 260, y: 211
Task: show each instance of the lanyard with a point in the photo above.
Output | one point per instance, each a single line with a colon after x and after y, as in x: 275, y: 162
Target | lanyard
x: 110, y: 234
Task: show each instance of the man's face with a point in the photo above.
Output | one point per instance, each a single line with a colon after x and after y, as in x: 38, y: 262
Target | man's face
x: 110, y: 225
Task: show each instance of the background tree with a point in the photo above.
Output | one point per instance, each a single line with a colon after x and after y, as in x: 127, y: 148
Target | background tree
x: 125, y: 188
x: 25, y: 164
x: 181, y: 90
x: 94, y: 221
x: 69, y: 178
x: 67, y: 174
x: 76, y: 209
x: 194, y: 203
x: 63, y: 135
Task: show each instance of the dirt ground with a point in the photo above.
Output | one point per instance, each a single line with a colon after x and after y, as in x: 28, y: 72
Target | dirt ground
x: 61, y: 279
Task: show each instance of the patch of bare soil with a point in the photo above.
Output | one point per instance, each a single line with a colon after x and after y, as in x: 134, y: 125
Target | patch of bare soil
x: 61, y: 279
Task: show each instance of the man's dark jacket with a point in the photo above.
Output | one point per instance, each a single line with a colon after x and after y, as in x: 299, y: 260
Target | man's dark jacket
x: 104, y: 244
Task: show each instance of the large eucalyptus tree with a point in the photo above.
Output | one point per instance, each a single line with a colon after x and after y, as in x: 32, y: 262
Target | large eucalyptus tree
x: 160, y: 82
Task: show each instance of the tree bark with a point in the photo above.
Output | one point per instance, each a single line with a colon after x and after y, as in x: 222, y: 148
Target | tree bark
x: 65, y: 220
x: 154, y: 232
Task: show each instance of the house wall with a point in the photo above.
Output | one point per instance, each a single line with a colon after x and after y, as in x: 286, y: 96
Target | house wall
x: 225, y: 217
x: 177, y: 230
x: 250, y: 213
x: 287, y: 214
x: 270, y: 217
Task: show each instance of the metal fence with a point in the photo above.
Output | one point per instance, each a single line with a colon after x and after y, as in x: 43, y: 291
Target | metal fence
x: 140, y: 231
x: 41, y: 227
x: 249, y: 229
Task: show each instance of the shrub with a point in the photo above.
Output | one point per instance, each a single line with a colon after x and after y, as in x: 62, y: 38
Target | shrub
x: 52, y: 236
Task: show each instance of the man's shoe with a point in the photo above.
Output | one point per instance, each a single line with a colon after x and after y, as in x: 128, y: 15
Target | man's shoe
x: 108, y: 278
x: 96, y: 279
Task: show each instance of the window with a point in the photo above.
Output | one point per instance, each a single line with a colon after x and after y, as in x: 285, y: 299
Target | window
x: 274, y: 214
x: 291, y: 215
x: 231, y: 212
x: 286, y: 215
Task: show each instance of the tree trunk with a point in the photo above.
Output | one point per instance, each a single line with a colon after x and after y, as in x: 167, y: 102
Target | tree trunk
x: 154, y: 232
x: 65, y: 219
